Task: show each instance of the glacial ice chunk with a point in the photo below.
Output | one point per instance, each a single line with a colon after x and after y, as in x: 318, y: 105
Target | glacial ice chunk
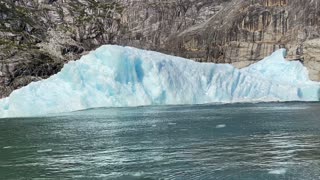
x: 115, y: 76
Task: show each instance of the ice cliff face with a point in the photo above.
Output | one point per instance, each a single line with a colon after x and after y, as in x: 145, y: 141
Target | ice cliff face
x: 38, y: 36
x: 115, y: 76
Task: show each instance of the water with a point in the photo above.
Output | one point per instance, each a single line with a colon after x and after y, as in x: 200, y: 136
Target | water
x: 239, y: 141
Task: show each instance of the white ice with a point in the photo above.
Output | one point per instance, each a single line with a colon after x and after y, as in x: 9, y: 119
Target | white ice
x: 278, y: 171
x: 115, y: 76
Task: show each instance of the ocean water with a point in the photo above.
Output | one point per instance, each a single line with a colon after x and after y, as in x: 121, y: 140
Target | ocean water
x: 234, y: 141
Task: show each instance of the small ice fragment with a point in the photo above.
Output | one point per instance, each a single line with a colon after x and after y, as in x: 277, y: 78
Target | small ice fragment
x: 7, y: 147
x: 138, y: 174
x: 220, y: 126
x: 44, y: 150
x: 278, y: 171
x: 171, y: 124
x: 154, y: 125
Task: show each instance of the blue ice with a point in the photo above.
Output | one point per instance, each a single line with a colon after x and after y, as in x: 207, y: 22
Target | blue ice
x: 116, y: 76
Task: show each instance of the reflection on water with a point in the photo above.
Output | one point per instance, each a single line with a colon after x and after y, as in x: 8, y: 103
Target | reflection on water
x: 241, y: 141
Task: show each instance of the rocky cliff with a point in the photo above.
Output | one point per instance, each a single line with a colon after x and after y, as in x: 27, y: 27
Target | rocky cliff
x: 38, y: 36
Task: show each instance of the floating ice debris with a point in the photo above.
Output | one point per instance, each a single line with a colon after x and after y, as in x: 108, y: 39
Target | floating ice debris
x: 278, y: 171
x: 44, y: 150
x: 220, y: 126
x: 7, y: 147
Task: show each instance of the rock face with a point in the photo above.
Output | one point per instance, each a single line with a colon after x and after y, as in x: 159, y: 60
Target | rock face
x: 38, y: 36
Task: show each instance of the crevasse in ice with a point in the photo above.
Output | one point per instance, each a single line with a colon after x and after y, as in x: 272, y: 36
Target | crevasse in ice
x: 115, y: 76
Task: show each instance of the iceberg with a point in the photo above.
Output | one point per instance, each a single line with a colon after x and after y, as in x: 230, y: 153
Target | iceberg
x: 116, y: 76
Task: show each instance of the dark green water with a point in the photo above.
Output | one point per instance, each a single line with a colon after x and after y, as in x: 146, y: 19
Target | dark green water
x: 240, y: 141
